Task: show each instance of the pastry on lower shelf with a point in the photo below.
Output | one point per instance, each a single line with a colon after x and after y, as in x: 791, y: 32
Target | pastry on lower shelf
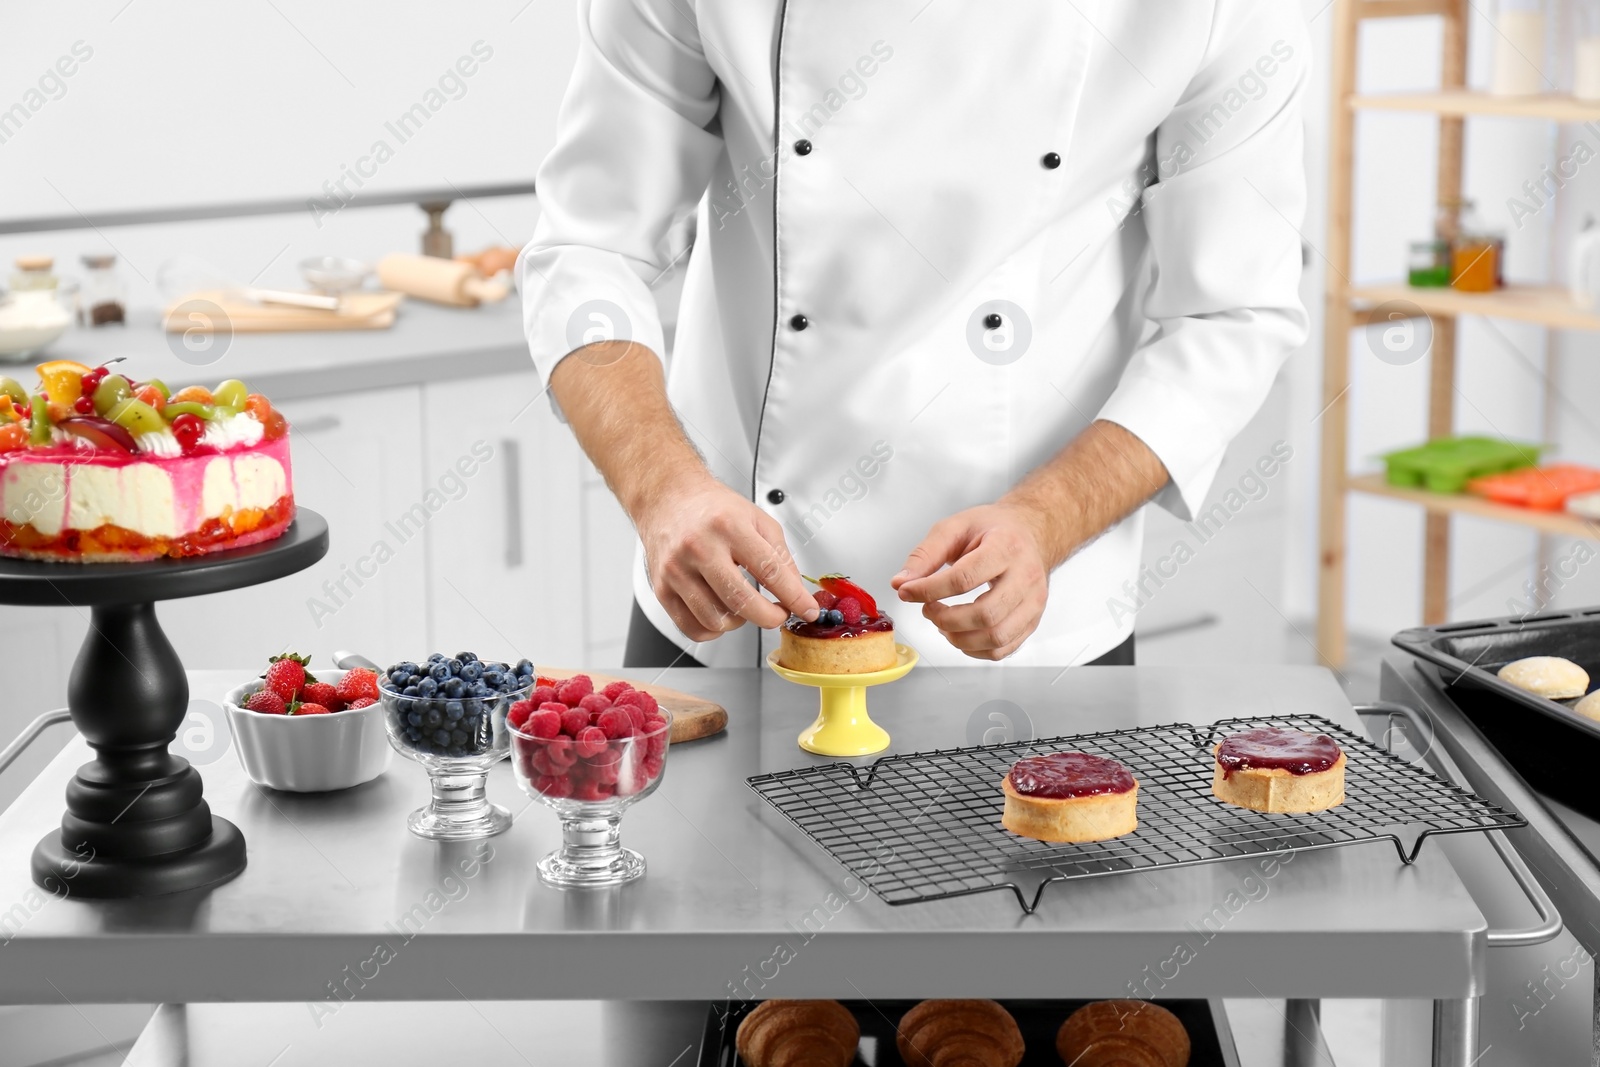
x: 1547, y: 676
x: 1589, y: 706
x: 1277, y: 770
x: 1070, y: 797
x: 1123, y: 1033
x: 798, y: 1033
x: 98, y: 468
x: 959, y: 1033
x: 850, y: 636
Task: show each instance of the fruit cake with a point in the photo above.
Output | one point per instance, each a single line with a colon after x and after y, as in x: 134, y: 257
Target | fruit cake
x: 98, y: 468
x: 1279, y: 770
x: 850, y: 636
x: 1070, y: 797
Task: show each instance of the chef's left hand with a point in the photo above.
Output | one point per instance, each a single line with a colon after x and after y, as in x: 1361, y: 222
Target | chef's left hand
x: 1000, y: 544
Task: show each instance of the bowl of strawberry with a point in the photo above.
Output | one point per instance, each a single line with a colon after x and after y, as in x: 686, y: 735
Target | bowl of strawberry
x: 306, y: 732
x: 589, y: 755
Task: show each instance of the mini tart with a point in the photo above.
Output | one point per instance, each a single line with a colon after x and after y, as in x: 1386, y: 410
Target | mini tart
x: 1279, y: 771
x: 1070, y: 797
x: 1547, y: 676
x: 860, y: 649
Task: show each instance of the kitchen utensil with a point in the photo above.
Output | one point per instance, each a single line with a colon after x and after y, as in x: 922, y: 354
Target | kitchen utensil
x: 926, y: 826
x: 334, y: 275
x: 692, y: 717
x: 475, y: 739
x: 444, y: 281
x: 1446, y: 464
x: 1540, y: 488
x: 1549, y: 744
x: 590, y: 789
x: 308, y: 753
x: 1205, y: 1021
x: 842, y: 726
x: 225, y: 310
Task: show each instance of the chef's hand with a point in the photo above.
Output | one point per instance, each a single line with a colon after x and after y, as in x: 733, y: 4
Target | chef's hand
x: 997, y: 543
x: 697, y: 538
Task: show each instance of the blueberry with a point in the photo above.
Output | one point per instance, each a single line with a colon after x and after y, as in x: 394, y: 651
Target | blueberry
x: 399, y: 676
x: 455, y: 688
x: 457, y: 751
x: 471, y: 671
x: 413, y: 734
x: 453, y: 710
x: 472, y: 706
x: 458, y: 737
x: 427, y: 687
x: 414, y: 718
x: 410, y: 691
x: 455, y: 665
x: 439, y: 671
x: 835, y: 617
x: 524, y: 666
x: 408, y: 667
x: 436, y: 657
x: 492, y: 677
x: 441, y: 737
x: 432, y: 718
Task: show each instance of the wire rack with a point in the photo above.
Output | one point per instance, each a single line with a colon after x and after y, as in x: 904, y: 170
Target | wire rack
x: 926, y: 826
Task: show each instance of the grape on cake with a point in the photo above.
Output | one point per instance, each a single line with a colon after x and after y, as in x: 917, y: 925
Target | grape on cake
x: 98, y: 468
x: 849, y: 636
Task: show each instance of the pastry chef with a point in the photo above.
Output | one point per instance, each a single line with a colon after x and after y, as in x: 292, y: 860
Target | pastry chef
x: 965, y: 285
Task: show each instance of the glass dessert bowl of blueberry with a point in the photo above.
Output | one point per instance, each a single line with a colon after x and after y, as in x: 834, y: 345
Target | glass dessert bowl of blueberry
x: 449, y: 714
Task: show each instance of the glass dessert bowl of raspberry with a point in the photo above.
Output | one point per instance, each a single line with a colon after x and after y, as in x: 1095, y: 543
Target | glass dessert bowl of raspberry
x: 590, y: 756
x: 449, y: 714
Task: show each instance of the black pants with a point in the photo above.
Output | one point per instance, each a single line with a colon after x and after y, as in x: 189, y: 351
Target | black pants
x: 650, y: 648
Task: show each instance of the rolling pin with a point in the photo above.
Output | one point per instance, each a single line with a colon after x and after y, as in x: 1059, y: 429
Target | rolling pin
x: 444, y: 281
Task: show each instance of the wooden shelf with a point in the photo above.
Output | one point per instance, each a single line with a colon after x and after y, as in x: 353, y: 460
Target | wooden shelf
x: 1459, y: 103
x: 1552, y: 522
x: 1547, y: 305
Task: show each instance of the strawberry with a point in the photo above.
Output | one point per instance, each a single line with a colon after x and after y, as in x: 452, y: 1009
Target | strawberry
x: 267, y: 702
x: 286, y: 674
x: 541, y: 681
x: 358, y: 703
x: 358, y: 682
x: 308, y: 709
x: 841, y: 586
x: 314, y: 692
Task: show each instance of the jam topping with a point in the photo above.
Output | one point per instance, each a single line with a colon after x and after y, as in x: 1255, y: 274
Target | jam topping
x: 1069, y: 774
x: 1267, y: 748
x: 876, y: 624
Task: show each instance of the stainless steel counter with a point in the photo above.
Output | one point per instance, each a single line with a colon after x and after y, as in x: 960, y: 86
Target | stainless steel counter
x: 330, y: 877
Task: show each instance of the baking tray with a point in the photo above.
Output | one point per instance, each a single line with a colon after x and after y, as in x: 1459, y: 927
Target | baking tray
x: 1209, y: 1036
x: 926, y: 826
x: 1555, y: 749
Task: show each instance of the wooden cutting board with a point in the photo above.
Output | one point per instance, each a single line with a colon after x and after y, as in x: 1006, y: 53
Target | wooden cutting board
x: 692, y: 717
x: 357, y: 311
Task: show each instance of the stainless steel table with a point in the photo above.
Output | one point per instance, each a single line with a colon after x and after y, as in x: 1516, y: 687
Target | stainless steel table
x: 340, y: 900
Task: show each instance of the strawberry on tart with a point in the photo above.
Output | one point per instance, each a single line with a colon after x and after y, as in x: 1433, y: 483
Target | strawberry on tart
x: 850, y: 636
x: 97, y: 468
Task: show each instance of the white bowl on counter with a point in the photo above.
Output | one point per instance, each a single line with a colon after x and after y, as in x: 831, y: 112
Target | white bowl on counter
x: 308, y: 753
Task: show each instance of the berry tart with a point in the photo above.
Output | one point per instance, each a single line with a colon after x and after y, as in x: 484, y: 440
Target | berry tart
x: 98, y: 468
x: 850, y: 636
x: 1070, y: 797
x: 1277, y: 770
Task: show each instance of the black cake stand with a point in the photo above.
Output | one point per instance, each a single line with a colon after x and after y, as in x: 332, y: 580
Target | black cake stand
x: 136, y: 822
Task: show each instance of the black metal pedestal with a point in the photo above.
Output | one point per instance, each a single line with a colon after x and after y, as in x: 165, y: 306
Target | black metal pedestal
x: 137, y: 823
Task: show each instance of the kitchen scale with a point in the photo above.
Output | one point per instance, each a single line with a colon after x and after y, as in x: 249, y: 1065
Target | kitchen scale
x: 137, y: 823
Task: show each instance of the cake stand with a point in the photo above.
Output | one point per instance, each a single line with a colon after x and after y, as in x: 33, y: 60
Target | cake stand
x: 137, y: 824
x: 843, y: 727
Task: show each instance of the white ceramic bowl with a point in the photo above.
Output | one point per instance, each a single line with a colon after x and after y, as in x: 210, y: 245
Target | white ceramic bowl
x: 310, y: 753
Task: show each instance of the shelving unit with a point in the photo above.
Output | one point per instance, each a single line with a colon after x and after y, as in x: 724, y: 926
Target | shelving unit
x: 1347, y: 306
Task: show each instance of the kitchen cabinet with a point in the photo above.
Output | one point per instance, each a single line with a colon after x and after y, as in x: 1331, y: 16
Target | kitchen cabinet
x: 358, y: 462
x: 520, y: 537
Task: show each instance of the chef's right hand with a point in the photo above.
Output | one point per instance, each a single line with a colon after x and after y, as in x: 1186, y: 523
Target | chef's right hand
x: 696, y: 539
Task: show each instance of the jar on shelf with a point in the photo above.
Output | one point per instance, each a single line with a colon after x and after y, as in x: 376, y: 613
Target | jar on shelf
x: 33, y: 273
x: 1522, y: 64
x: 103, y: 300
x: 1586, y: 50
x: 1428, y: 266
x: 1477, y: 255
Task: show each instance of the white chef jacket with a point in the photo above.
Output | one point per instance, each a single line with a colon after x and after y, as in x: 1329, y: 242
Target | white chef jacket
x: 859, y: 188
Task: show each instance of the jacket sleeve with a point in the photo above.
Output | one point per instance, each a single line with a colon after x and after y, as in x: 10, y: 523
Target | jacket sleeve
x: 1223, y: 220
x: 631, y: 160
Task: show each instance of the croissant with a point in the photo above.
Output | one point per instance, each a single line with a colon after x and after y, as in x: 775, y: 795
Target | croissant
x: 959, y: 1033
x: 798, y: 1033
x: 1123, y: 1033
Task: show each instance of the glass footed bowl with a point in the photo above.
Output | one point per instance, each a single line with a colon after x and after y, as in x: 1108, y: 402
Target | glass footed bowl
x: 457, y: 739
x: 590, y: 781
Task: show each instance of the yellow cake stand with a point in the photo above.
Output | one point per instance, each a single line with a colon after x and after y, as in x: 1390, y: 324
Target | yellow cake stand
x: 843, y: 727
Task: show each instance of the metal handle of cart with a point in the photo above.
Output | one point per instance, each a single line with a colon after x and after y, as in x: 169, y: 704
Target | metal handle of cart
x: 1549, y: 919
x: 30, y: 733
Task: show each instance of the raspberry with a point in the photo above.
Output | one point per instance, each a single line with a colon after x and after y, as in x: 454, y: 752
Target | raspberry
x: 648, y: 703
x: 557, y: 786
x: 519, y: 713
x: 267, y: 702
x: 360, y: 702
x: 608, y: 773
x: 591, y: 741
x: 636, y: 715
x: 595, y: 703
x: 309, y: 709
x: 544, y: 694
x: 561, y: 752
x: 615, y: 723
x: 655, y: 746
x: 574, y: 689
x: 544, y: 723
x: 573, y: 720
x: 850, y: 608
x: 524, y: 756
x: 632, y: 696
x: 285, y: 675
x: 826, y: 600
x: 358, y: 682
x: 652, y: 767
x: 615, y: 689
x: 592, y: 790
x: 540, y: 764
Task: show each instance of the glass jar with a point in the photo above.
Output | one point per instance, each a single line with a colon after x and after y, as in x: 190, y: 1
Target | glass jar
x: 1522, y: 64
x: 1429, y: 264
x: 1476, y: 255
x: 103, y: 301
x: 33, y: 273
